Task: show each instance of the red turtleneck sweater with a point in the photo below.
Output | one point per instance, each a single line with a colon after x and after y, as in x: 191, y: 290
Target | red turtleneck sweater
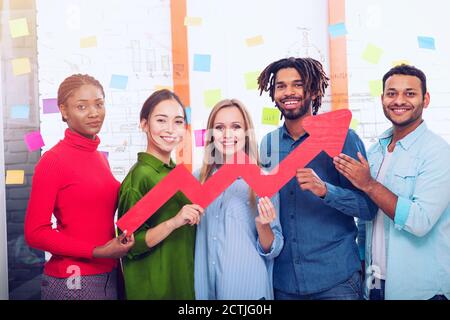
x: 74, y: 182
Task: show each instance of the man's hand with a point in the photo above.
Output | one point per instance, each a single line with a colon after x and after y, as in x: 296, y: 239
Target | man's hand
x: 309, y: 180
x: 357, y: 172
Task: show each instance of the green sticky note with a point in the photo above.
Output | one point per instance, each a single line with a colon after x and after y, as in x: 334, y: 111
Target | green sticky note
x: 271, y: 116
x: 376, y: 88
x: 354, y: 124
x: 372, y: 54
x: 212, y: 97
x: 251, y: 80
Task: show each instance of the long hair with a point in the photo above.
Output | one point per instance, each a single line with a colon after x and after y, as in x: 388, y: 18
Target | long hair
x: 313, y: 76
x: 250, y: 148
x: 73, y: 83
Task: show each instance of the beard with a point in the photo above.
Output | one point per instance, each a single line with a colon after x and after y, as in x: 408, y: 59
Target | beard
x: 296, y: 113
x: 417, y: 113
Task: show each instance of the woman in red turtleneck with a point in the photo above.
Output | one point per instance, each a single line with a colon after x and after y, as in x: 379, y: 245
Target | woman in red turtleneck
x: 74, y: 182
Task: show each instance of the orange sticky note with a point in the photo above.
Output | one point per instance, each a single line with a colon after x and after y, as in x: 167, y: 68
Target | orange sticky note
x: 15, y: 177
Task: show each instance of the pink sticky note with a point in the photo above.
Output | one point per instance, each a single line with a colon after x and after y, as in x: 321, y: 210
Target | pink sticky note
x: 50, y: 105
x: 200, y: 137
x: 34, y: 141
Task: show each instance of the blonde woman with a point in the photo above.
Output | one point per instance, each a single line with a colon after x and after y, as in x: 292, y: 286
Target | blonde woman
x: 238, y: 237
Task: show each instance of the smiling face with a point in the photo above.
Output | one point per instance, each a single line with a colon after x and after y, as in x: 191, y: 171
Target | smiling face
x: 289, y: 94
x: 84, y: 110
x: 229, y: 131
x: 165, y: 128
x: 403, y: 101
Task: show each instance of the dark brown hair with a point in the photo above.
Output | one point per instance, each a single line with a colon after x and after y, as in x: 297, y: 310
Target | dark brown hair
x: 407, y: 70
x: 73, y: 83
x: 157, y: 97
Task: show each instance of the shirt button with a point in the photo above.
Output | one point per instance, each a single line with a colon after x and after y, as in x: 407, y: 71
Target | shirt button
x: 292, y: 216
x: 214, y: 238
x: 217, y: 217
x: 213, y: 262
x: 296, y: 261
x: 294, y: 240
x: 292, y: 193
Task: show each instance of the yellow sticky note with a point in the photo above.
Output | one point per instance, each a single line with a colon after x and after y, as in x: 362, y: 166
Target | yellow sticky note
x: 19, y: 28
x: 271, y: 116
x: 372, y: 54
x: 21, y: 66
x: 15, y: 177
x: 88, y: 42
x: 376, y: 88
x: 193, y: 21
x: 354, y: 124
x: 254, y: 41
x: 251, y: 80
x: 400, y: 62
x: 212, y: 97
x: 161, y: 87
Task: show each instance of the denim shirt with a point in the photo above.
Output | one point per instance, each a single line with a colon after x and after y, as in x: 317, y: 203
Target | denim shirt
x: 320, y: 249
x: 418, y: 240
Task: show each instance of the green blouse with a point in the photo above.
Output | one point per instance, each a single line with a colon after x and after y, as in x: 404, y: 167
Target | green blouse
x: 165, y: 271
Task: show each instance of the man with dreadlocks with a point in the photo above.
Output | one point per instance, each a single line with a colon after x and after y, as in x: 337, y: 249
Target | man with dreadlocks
x: 320, y: 257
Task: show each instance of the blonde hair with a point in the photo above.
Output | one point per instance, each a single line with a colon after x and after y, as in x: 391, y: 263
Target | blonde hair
x: 250, y: 148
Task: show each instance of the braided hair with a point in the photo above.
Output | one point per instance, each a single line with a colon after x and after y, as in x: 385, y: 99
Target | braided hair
x: 314, y: 78
x: 73, y: 83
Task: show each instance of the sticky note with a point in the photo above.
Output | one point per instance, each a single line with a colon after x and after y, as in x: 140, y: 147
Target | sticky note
x: 426, y: 43
x: 376, y: 88
x: 15, y: 177
x: 118, y: 82
x: 372, y: 54
x: 105, y: 154
x: 271, y: 116
x: 34, y: 141
x: 337, y: 30
x: 19, y: 28
x: 21, y: 66
x: 20, y: 112
x: 200, y: 137
x: 354, y: 124
x: 400, y: 62
x: 188, y: 115
x: 212, y: 97
x: 254, y: 41
x: 50, y: 106
x: 202, y: 62
x: 251, y: 80
x: 193, y: 21
x: 88, y: 42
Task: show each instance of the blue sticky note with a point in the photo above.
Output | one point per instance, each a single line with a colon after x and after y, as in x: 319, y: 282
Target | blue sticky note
x: 337, y: 30
x: 426, y: 43
x: 202, y: 62
x: 188, y: 115
x: 20, y: 112
x: 118, y: 82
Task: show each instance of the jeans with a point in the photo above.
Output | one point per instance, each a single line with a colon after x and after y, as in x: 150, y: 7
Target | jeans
x: 347, y: 290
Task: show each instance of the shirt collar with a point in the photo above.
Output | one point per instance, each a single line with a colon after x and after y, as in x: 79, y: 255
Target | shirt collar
x: 154, y: 162
x: 286, y: 135
x: 386, y: 137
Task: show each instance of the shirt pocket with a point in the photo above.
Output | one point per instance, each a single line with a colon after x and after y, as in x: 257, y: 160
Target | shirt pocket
x: 404, y: 180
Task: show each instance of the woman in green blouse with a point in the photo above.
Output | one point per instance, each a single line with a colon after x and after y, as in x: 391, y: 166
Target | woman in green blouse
x: 161, y: 263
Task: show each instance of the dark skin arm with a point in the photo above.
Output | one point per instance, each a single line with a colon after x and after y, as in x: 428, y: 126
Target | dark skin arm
x: 358, y: 173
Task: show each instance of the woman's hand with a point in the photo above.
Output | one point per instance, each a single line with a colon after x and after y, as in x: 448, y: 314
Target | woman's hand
x: 115, y: 248
x: 190, y: 213
x: 266, y: 211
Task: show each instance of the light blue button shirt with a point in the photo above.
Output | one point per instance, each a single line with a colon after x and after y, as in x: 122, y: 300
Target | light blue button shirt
x: 418, y: 241
x: 229, y: 260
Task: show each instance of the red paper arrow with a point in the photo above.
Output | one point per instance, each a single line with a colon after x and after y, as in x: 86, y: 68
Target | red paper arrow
x: 327, y: 133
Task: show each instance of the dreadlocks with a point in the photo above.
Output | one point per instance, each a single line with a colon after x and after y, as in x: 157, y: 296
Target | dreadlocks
x: 314, y: 78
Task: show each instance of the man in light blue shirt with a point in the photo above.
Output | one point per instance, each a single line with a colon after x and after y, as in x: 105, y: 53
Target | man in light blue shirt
x: 407, y: 247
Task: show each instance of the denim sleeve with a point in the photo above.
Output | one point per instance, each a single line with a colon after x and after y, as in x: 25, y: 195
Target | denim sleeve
x: 347, y: 198
x: 278, y: 240
x: 418, y: 213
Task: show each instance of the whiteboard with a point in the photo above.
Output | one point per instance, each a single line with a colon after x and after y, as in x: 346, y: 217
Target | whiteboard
x: 134, y: 39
